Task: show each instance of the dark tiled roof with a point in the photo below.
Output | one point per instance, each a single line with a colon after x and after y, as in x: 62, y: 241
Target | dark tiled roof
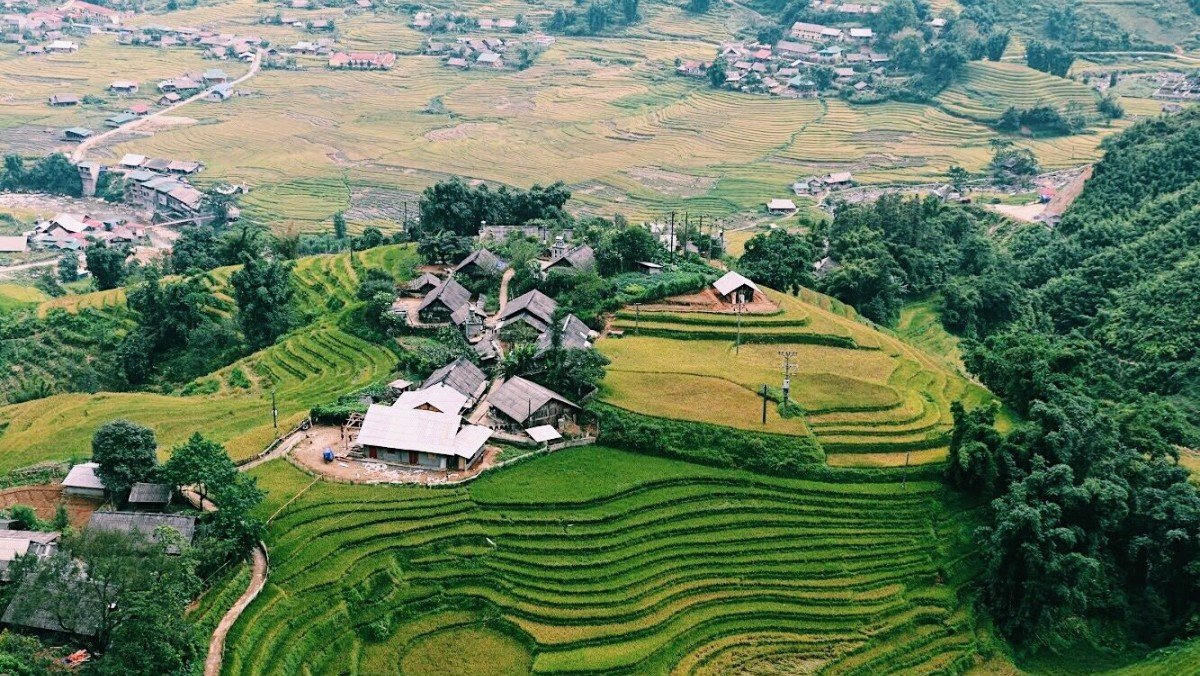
x: 574, y: 336
x: 487, y: 262
x: 450, y: 294
x: 425, y: 280
x: 461, y: 375
x: 535, y: 303
x: 139, y: 522
x: 581, y: 258
x: 156, y: 494
x: 517, y: 398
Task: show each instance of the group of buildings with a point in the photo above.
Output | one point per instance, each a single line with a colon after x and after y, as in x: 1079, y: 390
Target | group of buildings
x: 469, y: 52
x: 146, y: 510
x: 215, y: 45
x: 425, y: 426
x: 76, y: 232
x: 362, y: 60
x: 46, y: 31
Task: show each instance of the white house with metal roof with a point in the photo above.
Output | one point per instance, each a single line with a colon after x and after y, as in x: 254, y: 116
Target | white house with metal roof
x: 428, y: 439
x: 83, y: 481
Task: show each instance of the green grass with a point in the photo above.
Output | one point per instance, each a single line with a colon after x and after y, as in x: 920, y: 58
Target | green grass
x: 602, y: 561
x: 17, y: 296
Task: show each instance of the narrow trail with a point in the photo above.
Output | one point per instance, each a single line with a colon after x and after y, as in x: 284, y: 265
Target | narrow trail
x: 81, y: 150
x: 216, y: 647
x: 259, y: 570
x: 4, y: 272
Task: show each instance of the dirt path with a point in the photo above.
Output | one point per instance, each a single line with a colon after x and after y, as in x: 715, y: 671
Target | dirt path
x: 216, y: 647
x: 80, y: 150
x: 504, y: 279
x: 4, y: 272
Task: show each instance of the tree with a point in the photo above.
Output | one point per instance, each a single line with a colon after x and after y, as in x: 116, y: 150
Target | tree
x: 1014, y: 165
x: 822, y: 76
x: 995, y: 45
x: 716, y: 73
x: 263, y: 291
x: 619, y: 251
x: 200, y: 463
x: 958, y: 177
x: 443, y: 247
x: 126, y: 453
x: 339, y: 225
x: 779, y: 259
x: 597, y: 18
x: 1110, y: 107
x: 196, y: 248
x: 232, y: 531
x: 68, y: 268
x: 130, y: 603
x: 371, y: 238
x: 107, y: 265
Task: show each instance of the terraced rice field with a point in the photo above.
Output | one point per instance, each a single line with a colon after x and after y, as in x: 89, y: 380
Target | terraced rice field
x: 310, y: 365
x: 868, y: 397
x: 600, y: 561
x: 17, y: 296
x: 989, y: 88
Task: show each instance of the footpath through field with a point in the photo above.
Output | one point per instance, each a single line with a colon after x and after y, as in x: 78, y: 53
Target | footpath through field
x: 80, y: 151
x: 258, y: 573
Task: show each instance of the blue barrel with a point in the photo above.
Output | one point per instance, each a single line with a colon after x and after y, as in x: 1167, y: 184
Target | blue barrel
x: 328, y: 455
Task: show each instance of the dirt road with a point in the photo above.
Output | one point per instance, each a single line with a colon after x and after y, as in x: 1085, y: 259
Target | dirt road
x: 11, y: 269
x: 81, y: 150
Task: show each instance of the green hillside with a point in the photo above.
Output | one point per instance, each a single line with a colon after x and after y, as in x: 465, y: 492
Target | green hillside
x: 310, y: 365
x: 600, y: 561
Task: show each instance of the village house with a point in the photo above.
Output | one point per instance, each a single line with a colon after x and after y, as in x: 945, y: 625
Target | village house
x: 781, y: 206
x: 64, y: 100
x: 86, y: 12
x: 62, y: 47
x: 83, y: 481
x: 481, y: 263
x: 14, y: 543
x: 138, y: 109
x: 124, y: 86
x: 733, y: 288
x: 438, y: 398
x: 519, y: 404
x: 149, y: 497
x: 144, y: 524
x: 575, y: 336
x: 462, y: 376
x: 221, y: 92
x: 649, y: 268
x: 214, y: 76
x: 13, y: 244
x: 421, y: 438
x: 579, y: 259
x: 533, y: 308
x: 490, y: 60
x: 76, y: 133
x: 170, y: 98
x: 119, y: 119
x: 448, y: 299
x: 363, y: 60
x: 422, y: 285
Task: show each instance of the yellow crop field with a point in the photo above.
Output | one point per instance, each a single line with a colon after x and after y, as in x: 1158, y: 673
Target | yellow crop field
x: 869, y: 398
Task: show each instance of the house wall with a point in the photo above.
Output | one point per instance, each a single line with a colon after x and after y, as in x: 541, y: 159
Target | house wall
x: 425, y: 460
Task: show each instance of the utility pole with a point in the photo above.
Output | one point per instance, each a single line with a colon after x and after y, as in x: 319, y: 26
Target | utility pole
x: 904, y: 483
x: 764, y: 398
x: 672, y: 237
x: 637, y: 321
x: 701, y: 233
x: 274, y: 412
x: 737, y: 346
x: 787, y: 373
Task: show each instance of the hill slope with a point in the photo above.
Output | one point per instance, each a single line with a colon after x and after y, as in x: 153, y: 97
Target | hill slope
x: 867, y: 396
x: 599, y: 561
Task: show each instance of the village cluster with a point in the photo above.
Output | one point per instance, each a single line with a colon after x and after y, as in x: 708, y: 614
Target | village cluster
x: 812, y: 59
x: 47, y: 31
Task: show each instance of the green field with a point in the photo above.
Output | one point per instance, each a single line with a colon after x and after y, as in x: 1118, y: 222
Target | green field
x: 600, y: 561
x: 867, y: 396
x: 17, y: 296
x: 309, y: 366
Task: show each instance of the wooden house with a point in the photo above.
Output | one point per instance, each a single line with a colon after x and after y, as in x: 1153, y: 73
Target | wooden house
x: 442, y: 302
x: 734, y: 288
x: 519, y: 404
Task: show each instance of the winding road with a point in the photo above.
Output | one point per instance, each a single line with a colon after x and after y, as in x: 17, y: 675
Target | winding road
x: 81, y: 150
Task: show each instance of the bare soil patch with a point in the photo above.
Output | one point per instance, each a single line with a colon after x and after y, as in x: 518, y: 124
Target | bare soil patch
x: 672, y: 183
x: 708, y: 301
x: 374, y: 204
x: 461, y: 131
x: 45, y: 500
x: 30, y: 139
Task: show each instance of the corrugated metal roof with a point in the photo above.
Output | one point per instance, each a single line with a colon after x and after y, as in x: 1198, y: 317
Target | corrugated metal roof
x: 485, y: 260
x: 543, y: 433
x: 534, y: 302
x: 731, y: 281
x: 443, y: 398
x: 424, y: 431
x: 153, y: 494
x: 83, y: 476
x: 580, y: 258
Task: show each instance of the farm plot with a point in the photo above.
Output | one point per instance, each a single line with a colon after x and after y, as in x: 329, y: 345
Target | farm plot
x: 600, y: 561
x: 866, y: 396
x: 308, y: 366
x: 991, y: 87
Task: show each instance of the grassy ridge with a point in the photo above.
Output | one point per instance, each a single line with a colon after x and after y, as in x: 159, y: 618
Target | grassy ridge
x: 863, y: 392
x: 596, y: 560
x: 308, y: 366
